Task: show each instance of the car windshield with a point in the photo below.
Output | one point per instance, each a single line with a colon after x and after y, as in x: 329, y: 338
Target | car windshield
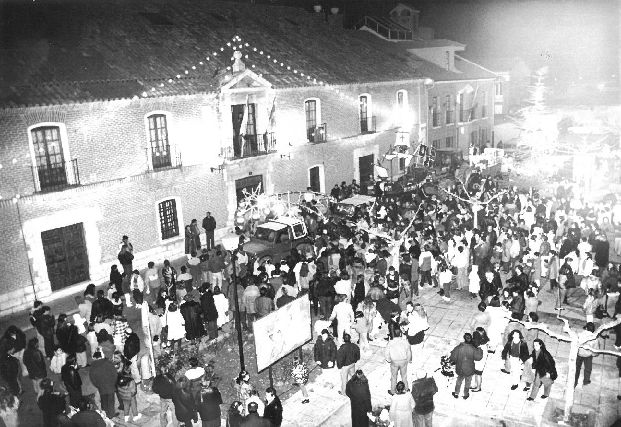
x: 265, y: 234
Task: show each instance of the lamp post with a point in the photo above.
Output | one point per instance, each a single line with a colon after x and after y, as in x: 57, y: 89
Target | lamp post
x: 232, y: 245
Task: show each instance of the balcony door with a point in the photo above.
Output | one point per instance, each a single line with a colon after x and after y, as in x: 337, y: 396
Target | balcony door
x: 365, y: 166
x: 364, y: 114
x: 50, y: 161
x: 244, y: 140
x: 158, y: 138
x: 310, y: 111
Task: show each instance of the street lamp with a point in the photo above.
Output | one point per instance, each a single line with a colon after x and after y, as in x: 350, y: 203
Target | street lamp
x: 232, y: 245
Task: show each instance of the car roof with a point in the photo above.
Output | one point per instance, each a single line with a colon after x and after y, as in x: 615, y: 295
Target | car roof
x: 271, y: 225
x: 287, y: 220
x: 358, y: 199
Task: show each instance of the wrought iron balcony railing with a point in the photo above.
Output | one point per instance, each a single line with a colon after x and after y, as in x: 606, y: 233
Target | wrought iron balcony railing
x: 317, y: 134
x: 164, y: 157
x: 56, y: 176
x: 367, y: 124
x: 252, y: 146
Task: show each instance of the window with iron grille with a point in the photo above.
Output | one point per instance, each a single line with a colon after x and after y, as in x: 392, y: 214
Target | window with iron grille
x: 435, y: 143
x: 449, y: 142
x: 158, y: 139
x: 169, y: 223
x: 310, y: 110
x: 50, y: 161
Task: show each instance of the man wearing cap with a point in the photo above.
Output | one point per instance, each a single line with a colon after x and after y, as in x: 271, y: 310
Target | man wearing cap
x: 423, y: 390
x: 209, y: 224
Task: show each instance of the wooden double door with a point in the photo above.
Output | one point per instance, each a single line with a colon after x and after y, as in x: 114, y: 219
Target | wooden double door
x: 66, y: 255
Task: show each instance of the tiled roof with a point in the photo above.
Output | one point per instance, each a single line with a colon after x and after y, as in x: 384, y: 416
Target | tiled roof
x: 61, y: 52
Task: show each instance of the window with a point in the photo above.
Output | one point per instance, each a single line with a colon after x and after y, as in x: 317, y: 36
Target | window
x: 498, y: 88
x: 473, y: 112
x: 298, y: 230
x: 312, y: 118
x: 402, y: 166
x: 244, y: 130
x: 435, y: 143
x: 448, y: 105
x: 169, y: 223
x: 449, y: 142
x: 402, y: 99
x: 462, y: 108
x: 50, y: 162
x: 366, y: 118
x: 158, y: 141
x: 435, y: 112
x: 483, y: 104
x: 447, y: 60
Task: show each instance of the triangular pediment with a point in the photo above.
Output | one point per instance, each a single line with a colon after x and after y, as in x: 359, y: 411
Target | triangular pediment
x: 246, y: 80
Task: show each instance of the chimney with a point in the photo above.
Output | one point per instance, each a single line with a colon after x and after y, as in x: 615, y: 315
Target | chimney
x: 238, y: 65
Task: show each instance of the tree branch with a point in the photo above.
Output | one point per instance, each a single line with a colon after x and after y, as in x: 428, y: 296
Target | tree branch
x: 599, y: 351
x: 544, y: 329
x: 606, y: 326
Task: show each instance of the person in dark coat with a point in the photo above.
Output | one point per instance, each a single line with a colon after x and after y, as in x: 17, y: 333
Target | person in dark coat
x: 273, y: 409
x: 50, y: 403
x: 103, y: 375
x: 45, y: 327
x: 116, y: 278
x: 515, y: 354
x: 463, y: 356
x: 72, y: 380
x: 357, y: 390
x: 185, y: 406
x: 10, y: 372
x: 544, y: 368
x: 132, y: 344
x: 14, y: 339
x: 34, y: 361
x: 324, y: 350
x: 191, y: 312
x: 210, y: 313
x: 87, y: 416
x: 126, y: 258
x: 102, y: 306
x: 209, y: 407
x: 253, y: 419
x: 65, y: 334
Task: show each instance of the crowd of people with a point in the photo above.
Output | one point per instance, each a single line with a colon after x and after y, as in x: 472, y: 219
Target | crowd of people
x: 363, y: 281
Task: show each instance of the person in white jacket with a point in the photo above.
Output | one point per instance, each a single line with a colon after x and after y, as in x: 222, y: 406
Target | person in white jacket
x: 176, y: 325
x: 344, y: 315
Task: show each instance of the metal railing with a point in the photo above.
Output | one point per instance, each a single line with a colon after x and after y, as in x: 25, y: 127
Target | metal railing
x: 317, y: 134
x: 164, y: 157
x: 57, y: 176
x: 253, y: 145
x: 384, y: 30
x: 368, y: 125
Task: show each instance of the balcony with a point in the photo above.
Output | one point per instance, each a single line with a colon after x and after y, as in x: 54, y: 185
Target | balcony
x: 56, y: 177
x: 367, y: 125
x: 317, y: 134
x: 253, y: 146
x: 164, y: 157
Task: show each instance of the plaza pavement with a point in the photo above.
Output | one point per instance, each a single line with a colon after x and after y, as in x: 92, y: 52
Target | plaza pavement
x: 495, y: 405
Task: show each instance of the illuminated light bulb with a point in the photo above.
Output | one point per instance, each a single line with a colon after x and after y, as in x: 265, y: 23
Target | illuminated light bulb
x: 229, y: 43
x: 161, y: 84
x: 221, y: 49
x: 295, y: 71
x: 307, y: 77
x: 170, y: 80
x: 186, y: 71
x: 207, y: 58
x: 288, y: 67
x: 254, y: 48
x: 234, y: 47
x: 246, y: 44
x: 232, y: 58
x: 302, y: 74
x: 253, y: 66
x: 0, y: 166
x: 268, y: 57
x: 246, y: 56
x: 314, y: 80
x: 261, y: 53
x: 200, y: 62
x: 240, y: 220
x: 282, y: 65
x: 14, y: 161
x: 240, y: 46
x: 275, y: 61
x: 214, y: 54
x: 194, y: 67
x: 178, y: 76
x: 144, y: 94
x: 228, y: 68
x: 260, y: 74
x: 256, y: 216
x: 320, y: 82
x: 152, y: 89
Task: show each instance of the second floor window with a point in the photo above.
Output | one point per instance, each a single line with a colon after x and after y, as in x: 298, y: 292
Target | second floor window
x: 498, y: 88
x: 364, y: 114
x: 450, y: 113
x: 462, y: 108
x: 435, y: 112
x: 449, y: 142
x: 158, y: 141
x: 483, y: 104
x: 50, y: 161
x: 310, y: 111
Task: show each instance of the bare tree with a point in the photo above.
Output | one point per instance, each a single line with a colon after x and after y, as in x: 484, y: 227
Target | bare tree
x: 575, y: 343
x: 475, y: 201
